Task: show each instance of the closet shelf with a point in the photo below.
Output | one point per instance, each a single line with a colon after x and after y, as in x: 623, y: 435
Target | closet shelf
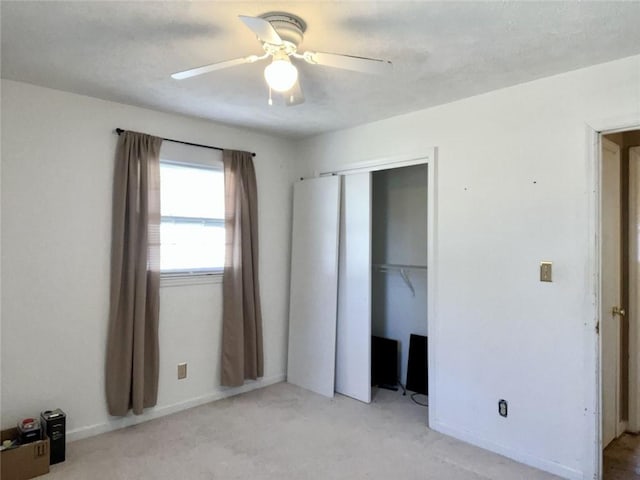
x: 402, y: 269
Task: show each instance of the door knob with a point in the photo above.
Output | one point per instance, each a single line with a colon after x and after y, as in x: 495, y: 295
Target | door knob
x: 619, y: 311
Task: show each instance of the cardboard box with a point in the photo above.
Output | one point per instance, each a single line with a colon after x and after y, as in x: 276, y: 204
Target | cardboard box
x: 26, y: 461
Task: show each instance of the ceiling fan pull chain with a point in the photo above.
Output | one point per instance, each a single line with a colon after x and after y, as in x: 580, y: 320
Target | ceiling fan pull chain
x: 270, y: 99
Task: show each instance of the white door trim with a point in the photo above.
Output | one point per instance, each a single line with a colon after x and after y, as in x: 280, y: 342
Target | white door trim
x: 594, y: 129
x: 592, y: 338
x: 384, y: 163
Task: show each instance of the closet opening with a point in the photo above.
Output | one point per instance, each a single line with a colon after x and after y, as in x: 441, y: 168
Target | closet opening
x: 399, y: 341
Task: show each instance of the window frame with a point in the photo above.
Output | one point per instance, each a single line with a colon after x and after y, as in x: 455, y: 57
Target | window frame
x: 204, y: 275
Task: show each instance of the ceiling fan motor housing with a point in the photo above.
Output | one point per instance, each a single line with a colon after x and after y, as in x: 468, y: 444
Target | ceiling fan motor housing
x: 290, y: 28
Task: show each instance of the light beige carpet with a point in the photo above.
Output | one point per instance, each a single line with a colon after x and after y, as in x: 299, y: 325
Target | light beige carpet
x: 284, y: 432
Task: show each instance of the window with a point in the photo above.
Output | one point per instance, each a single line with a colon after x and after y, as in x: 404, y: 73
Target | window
x: 192, y: 225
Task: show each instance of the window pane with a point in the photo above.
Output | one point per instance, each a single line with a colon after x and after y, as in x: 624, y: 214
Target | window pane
x: 191, y: 192
x: 197, y: 193
x: 187, y: 246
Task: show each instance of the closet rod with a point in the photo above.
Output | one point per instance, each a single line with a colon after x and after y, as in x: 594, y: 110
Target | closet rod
x: 120, y: 131
x: 396, y: 266
x: 402, y: 269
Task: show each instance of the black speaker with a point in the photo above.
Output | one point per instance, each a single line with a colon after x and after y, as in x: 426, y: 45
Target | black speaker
x: 55, y: 424
x: 417, y: 374
x: 384, y: 362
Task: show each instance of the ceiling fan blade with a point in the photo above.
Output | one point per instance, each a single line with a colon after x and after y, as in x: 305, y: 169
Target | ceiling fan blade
x: 294, y: 96
x: 214, y: 66
x: 263, y: 29
x: 349, y: 62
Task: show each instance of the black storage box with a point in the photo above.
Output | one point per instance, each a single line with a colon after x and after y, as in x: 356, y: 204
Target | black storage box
x: 54, y: 423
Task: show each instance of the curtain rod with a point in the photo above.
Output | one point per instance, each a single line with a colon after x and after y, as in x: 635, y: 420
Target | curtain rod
x: 120, y: 131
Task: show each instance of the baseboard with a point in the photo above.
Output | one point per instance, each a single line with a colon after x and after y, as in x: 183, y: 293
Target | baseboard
x: 157, y: 412
x: 518, y: 456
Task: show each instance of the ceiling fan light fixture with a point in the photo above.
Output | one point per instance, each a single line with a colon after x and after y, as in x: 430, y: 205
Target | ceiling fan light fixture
x: 281, y: 34
x: 281, y: 74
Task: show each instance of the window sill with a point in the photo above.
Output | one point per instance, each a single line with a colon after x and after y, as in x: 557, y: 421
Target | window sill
x: 177, y: 280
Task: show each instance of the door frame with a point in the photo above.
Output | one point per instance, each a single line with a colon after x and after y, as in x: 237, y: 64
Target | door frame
x: 429, y: 157
x: 592, y: 340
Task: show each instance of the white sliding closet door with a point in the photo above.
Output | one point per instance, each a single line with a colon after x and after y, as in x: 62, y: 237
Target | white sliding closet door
x: 314, y: 284
x: 353, y: 352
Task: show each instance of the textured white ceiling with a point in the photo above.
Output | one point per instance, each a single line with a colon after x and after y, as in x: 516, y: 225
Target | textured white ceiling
x: 442, y: 51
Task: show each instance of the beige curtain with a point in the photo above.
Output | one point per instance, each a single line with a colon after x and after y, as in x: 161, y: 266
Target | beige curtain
x: 132, y: 344
x: 241, y: 317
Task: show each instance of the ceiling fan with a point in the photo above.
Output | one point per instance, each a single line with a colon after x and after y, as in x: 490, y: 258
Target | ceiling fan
x: 281, y: 34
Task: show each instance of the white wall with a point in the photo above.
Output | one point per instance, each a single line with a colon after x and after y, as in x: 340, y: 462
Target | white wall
x: 57, y: 161
x: 514, y: 187
x: 399, y: 236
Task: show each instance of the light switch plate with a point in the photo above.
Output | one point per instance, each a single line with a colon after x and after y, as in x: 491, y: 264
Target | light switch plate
x: 182, y: 371
x: 545, y: 271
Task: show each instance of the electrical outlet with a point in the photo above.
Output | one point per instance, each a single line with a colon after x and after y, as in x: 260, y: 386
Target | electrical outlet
x: 502, y: 408
x: 182, y: 371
